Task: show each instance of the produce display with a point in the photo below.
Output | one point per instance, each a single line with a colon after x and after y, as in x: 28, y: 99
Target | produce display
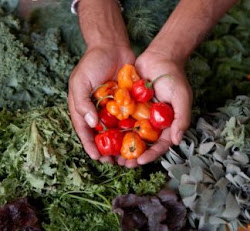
x: 129, y: 119
x: 210, y: 168
x: 49, y: 183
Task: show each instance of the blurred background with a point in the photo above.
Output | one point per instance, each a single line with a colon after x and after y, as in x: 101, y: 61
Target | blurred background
x: 25, y: 7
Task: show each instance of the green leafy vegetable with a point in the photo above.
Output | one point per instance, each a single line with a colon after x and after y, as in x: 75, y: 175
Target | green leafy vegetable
x: 219, y: 67
x: 42, y: 158
x: 44, y: 18
x: 34, y: 69
x: 210, y: 168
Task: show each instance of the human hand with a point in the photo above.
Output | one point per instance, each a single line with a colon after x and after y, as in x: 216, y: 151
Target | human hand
x: 98, y: 65
x: 176, y: 91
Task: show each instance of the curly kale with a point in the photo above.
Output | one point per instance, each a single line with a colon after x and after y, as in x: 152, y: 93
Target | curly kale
x: 34, y: 69
x: 44, y: 18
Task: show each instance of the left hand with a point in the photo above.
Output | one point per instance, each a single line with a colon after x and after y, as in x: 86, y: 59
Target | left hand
x: 175, y: 91
x: 97, y: 66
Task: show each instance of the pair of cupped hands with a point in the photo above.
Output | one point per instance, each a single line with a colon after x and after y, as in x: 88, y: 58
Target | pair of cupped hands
x: 100, y: 64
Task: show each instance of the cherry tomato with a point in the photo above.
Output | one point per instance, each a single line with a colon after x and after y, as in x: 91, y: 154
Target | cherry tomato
x: 142, y: 111
x: 105, y: 90
x: 132, y: 146
x: 161, y: 115
x: 146, y: 131
x: 142, y: 90
x: 122, y: 106
x: 127, y: 123
x: 106, y: 120
x: 127, y: 76
x: 100, y: 127
x: 109, y: 143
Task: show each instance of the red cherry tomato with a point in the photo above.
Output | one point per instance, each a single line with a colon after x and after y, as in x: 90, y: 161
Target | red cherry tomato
x: 100, y: 127
x: 142, y: 90
x: 109, y: 143
x: 106, y: 120
x: 161, y: 115
x: 127, y: 123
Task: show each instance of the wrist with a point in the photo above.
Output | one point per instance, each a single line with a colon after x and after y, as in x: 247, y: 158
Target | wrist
x: 107, y: 43
x: 108, y: 48
x: 170, y: 49
x: 121, y: 54
x: 157, y: 54
x: 102, y: 22
x: 75, y: 3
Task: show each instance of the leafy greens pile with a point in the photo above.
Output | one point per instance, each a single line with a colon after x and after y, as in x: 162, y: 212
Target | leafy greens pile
x: 219, y: 67
x: 42, y: 160
x: 18, y: 215
x: 162, y: 211
x: 210, y: 169
x: 34, y: 68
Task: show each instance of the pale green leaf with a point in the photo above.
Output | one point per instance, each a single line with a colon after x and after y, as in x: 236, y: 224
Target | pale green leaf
x: 232, y: 209
x: 205, y: 147
x: 217, y: 172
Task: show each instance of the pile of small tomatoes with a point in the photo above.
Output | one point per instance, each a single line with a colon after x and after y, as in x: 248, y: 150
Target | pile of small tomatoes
x: 130, y: 120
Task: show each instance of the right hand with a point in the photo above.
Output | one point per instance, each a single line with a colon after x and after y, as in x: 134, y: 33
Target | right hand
x: 98, y: 65
x: 176, y: 91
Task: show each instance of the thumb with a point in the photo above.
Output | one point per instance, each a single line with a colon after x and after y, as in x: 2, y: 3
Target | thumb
x: 81, y: 92
x: 182, y: 118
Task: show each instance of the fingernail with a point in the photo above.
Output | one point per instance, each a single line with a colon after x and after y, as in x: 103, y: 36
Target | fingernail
x: 90, y: 120
x: 141, y: 161
x: 179, y: 136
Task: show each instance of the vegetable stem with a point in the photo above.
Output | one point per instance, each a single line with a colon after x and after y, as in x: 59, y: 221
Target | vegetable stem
x: 102, y: 98
x: 150, y: 84
x: 90, y: 201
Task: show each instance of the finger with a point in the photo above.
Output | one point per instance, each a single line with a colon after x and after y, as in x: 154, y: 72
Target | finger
x: 106, y: 159
x: 155, y: 151
x: 121, y: 161
x: 182, y: 108
x: 84, y: 132
x: 83, y: 105
x: 131, y: 163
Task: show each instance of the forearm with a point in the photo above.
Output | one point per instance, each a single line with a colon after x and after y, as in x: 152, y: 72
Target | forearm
x: 101, y: 22
x: 187, y: 26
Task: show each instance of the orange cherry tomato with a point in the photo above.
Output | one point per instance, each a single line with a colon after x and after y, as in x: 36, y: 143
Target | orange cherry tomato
x: 127, y: 76
x: 122, y: 106
x: 104, y: 90
x: 142, y: 111
x: 146, y: 131
x: 132, y: 146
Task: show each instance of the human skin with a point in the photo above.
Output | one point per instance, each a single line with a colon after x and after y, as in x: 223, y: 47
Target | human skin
x: 186, y: 27
x: 108, y: 49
